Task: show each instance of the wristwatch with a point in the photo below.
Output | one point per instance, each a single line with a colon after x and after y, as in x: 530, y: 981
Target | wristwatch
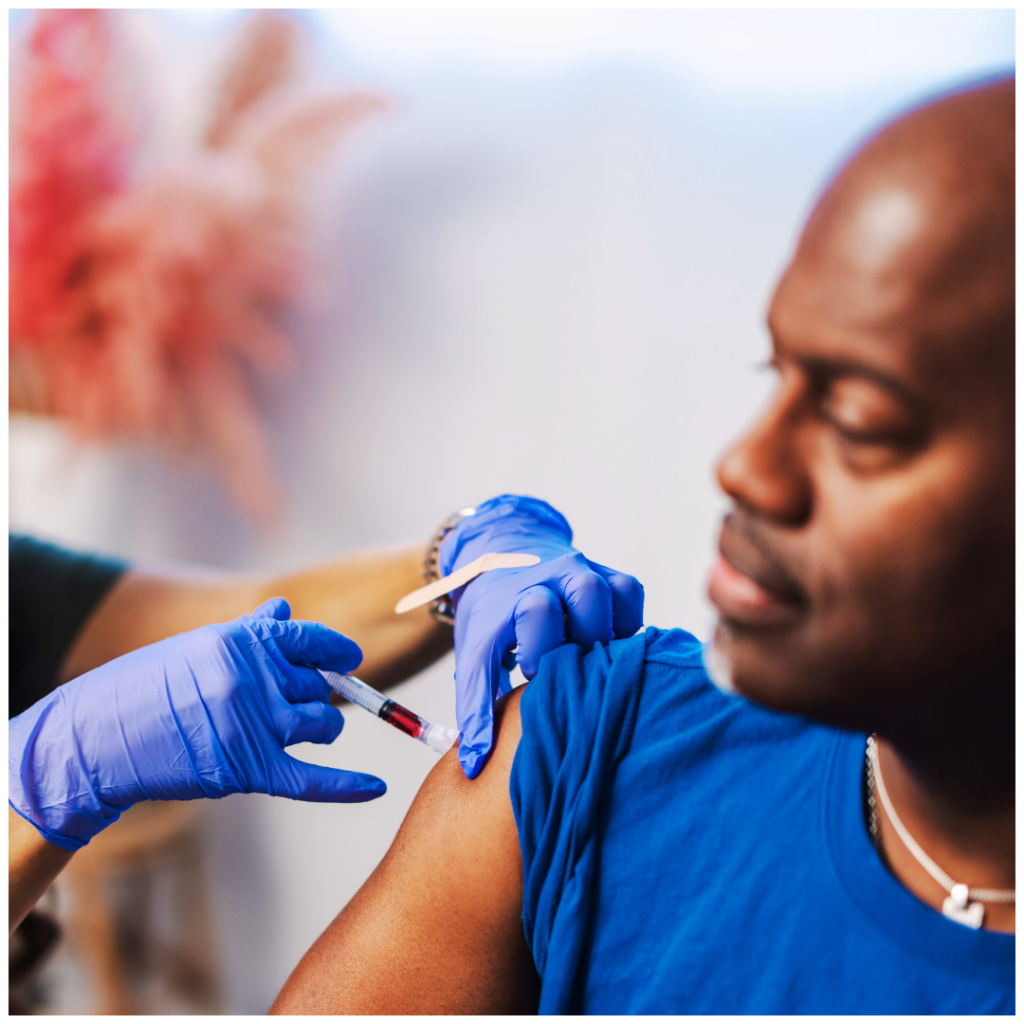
x: 442, y: 608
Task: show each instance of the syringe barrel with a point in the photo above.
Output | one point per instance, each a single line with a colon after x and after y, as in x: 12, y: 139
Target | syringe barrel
x: 435, y: 735
x: 355, y: 690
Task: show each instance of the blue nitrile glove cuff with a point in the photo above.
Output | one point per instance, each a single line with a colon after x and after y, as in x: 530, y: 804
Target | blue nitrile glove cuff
x: 62, y: 842
x: 37, y: 800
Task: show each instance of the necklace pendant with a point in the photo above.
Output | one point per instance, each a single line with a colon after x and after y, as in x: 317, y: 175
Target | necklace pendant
x: 969, y: 914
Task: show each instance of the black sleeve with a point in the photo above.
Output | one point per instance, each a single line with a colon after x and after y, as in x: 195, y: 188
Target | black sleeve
x: 52, y: 594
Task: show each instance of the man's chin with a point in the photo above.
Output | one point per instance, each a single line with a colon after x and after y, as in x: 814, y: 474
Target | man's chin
x: 740, y: 665
x: 768, y: 667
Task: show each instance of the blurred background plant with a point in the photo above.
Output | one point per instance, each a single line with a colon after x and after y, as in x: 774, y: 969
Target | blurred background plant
x: 144, y: 298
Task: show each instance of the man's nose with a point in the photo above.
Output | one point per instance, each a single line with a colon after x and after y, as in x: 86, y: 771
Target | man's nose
x: 765, y: 471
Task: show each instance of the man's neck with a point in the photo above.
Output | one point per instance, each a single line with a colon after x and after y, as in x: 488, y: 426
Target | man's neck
x: 971, y: 840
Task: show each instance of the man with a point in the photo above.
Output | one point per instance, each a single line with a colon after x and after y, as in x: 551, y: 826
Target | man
x: 671, y: 847
x: 158, y: 705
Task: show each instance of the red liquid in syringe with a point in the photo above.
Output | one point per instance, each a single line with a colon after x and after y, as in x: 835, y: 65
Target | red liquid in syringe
x: 402, y: 718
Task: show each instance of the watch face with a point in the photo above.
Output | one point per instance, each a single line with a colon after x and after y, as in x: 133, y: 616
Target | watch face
x: 442, y: 610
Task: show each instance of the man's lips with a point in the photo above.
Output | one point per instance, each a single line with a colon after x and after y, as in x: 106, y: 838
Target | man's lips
x: 747, y: 587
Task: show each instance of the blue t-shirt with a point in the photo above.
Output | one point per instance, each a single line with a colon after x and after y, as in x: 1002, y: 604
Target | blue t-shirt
x: 689, y: 852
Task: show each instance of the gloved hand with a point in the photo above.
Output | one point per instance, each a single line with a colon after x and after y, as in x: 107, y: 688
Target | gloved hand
x: 565, y: 597
x: 201, y: 714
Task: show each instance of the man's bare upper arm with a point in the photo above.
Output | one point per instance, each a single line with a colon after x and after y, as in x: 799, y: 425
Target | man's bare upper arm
x: 436, y: 928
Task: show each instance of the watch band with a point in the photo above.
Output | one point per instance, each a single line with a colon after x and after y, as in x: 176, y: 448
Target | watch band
x: 442, y: 608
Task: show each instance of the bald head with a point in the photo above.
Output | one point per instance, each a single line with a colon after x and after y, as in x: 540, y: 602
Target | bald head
x: 922, y: 218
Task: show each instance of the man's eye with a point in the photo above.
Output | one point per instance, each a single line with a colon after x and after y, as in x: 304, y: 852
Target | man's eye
x: 866, y: 417
x: 856, y: 433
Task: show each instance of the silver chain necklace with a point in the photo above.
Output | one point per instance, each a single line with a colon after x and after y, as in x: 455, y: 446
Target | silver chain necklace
x: 963, y: 905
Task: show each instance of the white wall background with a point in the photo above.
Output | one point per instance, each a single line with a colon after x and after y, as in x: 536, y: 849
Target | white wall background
x: 556, y: 250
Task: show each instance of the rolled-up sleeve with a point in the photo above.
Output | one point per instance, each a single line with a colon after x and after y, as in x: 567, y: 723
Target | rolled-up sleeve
x: 578, y: 715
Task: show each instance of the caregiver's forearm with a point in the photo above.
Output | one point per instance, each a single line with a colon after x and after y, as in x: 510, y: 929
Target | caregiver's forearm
x: 32, y: 864
x: 355, y: 595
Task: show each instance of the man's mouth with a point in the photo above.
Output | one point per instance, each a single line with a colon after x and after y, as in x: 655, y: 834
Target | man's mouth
x: 747, y: 586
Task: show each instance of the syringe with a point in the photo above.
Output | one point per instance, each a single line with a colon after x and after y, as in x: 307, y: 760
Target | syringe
x: 436, y: 736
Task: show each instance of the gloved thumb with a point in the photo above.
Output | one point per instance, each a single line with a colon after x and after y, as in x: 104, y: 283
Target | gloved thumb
x: 477, y: 676
x: 275, y: 608
x: 301, y: 780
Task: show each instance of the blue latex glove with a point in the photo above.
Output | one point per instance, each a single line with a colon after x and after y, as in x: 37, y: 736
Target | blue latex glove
x: 564, y: 598
x: 201, y: 714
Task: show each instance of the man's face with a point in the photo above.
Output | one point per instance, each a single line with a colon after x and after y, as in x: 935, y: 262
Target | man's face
x: 869, y: 554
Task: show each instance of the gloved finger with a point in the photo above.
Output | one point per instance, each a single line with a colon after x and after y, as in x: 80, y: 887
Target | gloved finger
x: 275, y: 608
x: 310, y: 643
x: 477, y: 678
x: 588, y: 605
x: 304, y: 781
x: 627, y: 599
x: 315, y: 722
x: 300, y: 685
x: 539, y: 625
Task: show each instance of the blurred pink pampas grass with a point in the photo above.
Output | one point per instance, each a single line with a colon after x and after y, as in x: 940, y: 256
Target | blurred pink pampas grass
x: 140, y: 306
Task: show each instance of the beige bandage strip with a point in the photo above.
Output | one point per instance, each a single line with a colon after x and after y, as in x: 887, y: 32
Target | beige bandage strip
x: 445, y: 585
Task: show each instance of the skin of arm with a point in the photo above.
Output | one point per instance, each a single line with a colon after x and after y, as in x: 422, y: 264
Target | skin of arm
x: 436, y: 928
x: 356, y: 596
x: 33, y: 864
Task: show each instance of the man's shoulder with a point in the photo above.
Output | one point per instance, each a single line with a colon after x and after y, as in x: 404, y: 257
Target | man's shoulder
x: 653, y: 660
x: 673, y: 647
x: 641, y: 692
